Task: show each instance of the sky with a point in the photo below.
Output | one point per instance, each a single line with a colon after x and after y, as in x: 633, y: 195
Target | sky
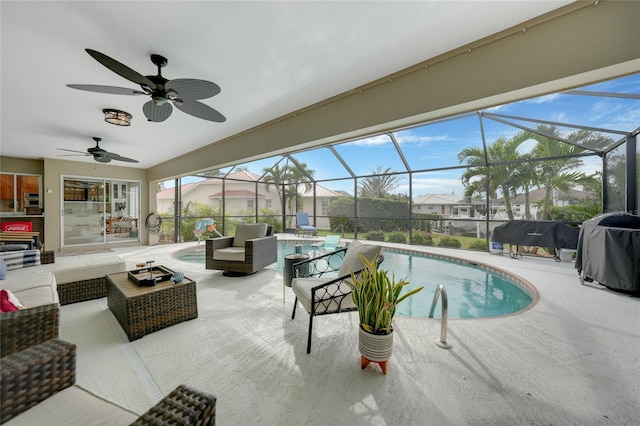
x: 436, y: 145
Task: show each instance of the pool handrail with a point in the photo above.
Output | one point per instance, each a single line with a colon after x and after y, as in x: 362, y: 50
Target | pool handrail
x: 441, y: 291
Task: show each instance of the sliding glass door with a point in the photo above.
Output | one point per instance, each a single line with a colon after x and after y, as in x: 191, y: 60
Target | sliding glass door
x: 99, y: 211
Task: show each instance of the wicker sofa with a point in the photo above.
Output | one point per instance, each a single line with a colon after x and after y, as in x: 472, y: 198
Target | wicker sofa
x: 74, y: 278
x: 252, y: 248
x: 42, y: 286
x: 37, y: 386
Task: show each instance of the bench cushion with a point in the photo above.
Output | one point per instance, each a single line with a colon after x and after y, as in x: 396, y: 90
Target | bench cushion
x: 81, y: 268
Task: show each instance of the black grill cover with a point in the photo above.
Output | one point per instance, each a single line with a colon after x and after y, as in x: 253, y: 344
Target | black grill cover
x: 609, y: 251
x: 540, y: 233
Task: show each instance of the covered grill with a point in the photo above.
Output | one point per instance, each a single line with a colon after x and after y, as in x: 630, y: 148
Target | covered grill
x: 540, y: 233
x: 609, y: 251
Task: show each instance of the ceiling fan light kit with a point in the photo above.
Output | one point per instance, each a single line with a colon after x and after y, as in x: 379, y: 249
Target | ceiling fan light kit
x: 117, y: 117
x: 183, y: 93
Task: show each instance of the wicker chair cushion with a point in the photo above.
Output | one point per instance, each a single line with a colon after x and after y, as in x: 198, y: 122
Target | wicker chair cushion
x: 235, y: 254
x: 74, y: 406
x: 38, y: 296
x: 352, y: 261
x: 302, y: 289
x: 20, y: 282
x: 249, y: 231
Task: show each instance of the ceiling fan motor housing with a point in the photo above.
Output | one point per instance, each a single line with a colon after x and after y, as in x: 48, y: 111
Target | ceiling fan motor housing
x: 184, y: 93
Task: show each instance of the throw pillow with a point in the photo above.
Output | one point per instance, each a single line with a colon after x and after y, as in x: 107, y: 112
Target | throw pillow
x: 3, y: 269
x: 9, y: 302
x: 352, y: 261
x: 247, y: 232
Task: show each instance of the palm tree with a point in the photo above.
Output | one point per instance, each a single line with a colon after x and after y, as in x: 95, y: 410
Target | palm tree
x: 501, y: 157
x: 525, y: 177
x: 277, y: 177
x: 379, y: 184
x: 558, y: 172
x: 286, y: 180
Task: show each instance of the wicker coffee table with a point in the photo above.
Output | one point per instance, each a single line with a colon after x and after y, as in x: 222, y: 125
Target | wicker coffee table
x: 143, y: 310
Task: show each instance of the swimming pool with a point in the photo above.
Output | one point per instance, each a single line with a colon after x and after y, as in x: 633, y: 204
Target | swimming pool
x: 473, y: 291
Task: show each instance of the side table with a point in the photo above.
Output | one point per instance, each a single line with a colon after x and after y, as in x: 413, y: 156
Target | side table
x: 288, y: 273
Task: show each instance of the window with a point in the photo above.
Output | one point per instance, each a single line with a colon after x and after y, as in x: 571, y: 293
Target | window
x: 19, y: 192
x: 250, y: 204
x: 267, y: 203
x: 325, y: 207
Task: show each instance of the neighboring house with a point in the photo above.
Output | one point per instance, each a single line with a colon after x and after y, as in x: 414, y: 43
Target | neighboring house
x: 240, y: 191
x: 445, y: 205
x: 536, y: 198
x: 323, y: 199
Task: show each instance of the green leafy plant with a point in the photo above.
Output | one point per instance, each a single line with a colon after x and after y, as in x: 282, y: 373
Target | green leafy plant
x: 377, y: 295
x: 479, y: 245
x: 397, y: 237
x: 375, y: 236
x: 449, y: 242
x: 422, y: 239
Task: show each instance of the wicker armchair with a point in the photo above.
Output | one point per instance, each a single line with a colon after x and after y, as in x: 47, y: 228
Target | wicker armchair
x: 322, y: 286
x: 28, y: 327
x: 245, y: 256
x: 30, y: 376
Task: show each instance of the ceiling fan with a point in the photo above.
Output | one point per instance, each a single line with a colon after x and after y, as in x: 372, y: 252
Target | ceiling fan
x: 182, y: 92
x: 99, y: 154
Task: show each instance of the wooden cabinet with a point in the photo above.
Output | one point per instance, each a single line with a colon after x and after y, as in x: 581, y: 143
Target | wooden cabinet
x: 19, y: 192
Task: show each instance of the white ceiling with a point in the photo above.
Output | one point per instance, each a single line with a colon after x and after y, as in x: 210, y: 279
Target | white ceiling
x: 270, y: 58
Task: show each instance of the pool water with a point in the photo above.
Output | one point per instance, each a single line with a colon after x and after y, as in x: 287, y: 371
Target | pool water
x: 472, y: 291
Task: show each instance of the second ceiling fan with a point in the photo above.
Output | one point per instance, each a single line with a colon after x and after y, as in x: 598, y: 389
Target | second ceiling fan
x: 184, y: 93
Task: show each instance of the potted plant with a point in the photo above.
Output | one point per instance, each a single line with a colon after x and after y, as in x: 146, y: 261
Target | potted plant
x: 377, y: 295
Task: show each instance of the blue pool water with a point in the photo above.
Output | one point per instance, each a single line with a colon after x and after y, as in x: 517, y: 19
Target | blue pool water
x: 473, y: 291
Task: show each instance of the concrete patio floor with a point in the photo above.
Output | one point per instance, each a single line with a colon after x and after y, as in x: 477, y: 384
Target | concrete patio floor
x: 573, y: 358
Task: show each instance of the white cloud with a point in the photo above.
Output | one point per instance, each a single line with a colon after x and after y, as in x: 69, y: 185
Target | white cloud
x: 378, y: 140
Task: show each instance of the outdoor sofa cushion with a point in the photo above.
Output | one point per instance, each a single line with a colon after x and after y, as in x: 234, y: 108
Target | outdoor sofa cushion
x: 74, y: 406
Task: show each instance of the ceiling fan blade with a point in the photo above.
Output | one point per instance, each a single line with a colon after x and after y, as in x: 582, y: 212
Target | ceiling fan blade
x: 113, y: 90
x: 121, y: 69
x: 200, y: 110
x: 191, y: 89
x: 72, y: 155
x: 155, y: 112
x: 73, y: 150
x: 120, y: 158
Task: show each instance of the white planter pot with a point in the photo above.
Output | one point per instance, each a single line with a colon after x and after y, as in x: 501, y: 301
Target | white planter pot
x: 376, y: 347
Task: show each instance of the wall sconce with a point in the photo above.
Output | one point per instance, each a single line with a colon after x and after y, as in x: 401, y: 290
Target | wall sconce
x: 117, y: 117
